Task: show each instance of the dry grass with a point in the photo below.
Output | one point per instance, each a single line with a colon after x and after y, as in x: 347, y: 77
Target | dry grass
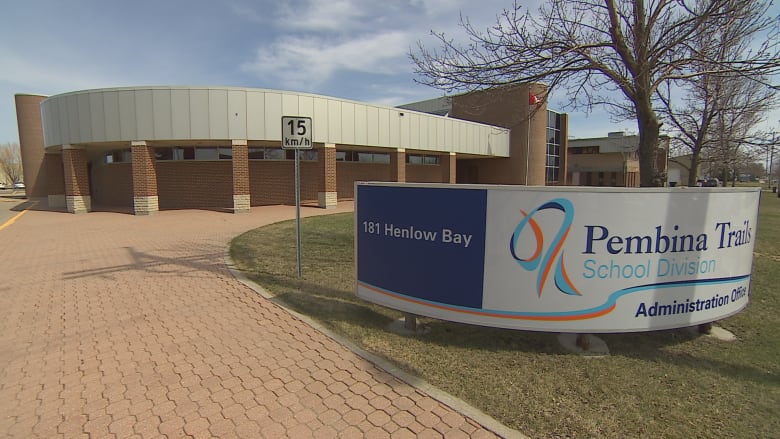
x: 658, y: 384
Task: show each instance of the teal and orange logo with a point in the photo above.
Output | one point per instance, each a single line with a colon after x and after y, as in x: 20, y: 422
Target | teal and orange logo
x: 553, y: 258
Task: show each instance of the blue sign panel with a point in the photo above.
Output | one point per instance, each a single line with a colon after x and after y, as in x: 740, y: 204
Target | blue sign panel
x: 422, y: 243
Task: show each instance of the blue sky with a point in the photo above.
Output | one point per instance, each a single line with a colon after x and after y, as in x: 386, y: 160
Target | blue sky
x: 353, y: 49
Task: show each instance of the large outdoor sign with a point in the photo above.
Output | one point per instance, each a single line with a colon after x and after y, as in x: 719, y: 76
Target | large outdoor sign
x: 556, y: 259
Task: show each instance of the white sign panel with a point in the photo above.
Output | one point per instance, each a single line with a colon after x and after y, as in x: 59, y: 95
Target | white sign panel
x: 557, y: 259
x: 296, y: 132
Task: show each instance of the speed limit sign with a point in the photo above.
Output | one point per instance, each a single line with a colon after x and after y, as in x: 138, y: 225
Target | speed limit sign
x: 296, y: 132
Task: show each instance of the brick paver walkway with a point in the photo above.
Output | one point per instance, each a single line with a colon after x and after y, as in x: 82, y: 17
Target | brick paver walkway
x: 113, y: 325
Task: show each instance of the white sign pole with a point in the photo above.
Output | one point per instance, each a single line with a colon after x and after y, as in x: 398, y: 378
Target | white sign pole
x: 296, y: 135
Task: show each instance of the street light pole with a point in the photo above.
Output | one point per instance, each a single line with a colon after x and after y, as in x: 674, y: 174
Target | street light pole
x: 770, y: 158
x: 766, y: 161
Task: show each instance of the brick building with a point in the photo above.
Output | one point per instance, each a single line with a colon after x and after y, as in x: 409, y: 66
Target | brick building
x: 149, y: 148
x: 610, y: 161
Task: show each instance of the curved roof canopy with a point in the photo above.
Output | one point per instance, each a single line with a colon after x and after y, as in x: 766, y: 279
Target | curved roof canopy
x: 173, y: 113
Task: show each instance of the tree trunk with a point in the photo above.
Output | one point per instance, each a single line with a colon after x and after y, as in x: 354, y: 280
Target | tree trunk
x: 649, y: 130
x: 693, y: 172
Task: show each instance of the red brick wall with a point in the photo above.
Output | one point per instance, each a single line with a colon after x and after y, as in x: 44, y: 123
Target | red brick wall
x: 112, y: 185
x: 75, y: 172
x: 273, y: 182
x: 143, y: 171
x: 398, y: 166
x: 208, y: 184
x: 347, y: 173
x: 195, y: 184
x: 424, y: 174
x: 55, y: 179
x: 507, y: 107
x: 448, y: 168
x: 327, y: 165
x: 240, y: 169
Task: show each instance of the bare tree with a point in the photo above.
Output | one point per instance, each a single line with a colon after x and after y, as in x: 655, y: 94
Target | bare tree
x: 720, y: 130
x: 11, y: 162
x: 601, y: 52
x: 754, y: 169
x: 716, y: 122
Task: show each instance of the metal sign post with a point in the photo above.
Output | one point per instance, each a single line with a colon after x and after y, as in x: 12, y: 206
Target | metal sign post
x: 296, y: 135
x: 298, y: 211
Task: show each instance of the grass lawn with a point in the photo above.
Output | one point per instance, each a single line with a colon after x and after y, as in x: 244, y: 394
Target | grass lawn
x: 656, y: 384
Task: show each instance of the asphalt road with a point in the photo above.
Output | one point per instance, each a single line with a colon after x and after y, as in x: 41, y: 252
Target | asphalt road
x: 10, y: 204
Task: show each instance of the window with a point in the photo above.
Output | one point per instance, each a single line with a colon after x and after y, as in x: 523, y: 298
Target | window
x: 585, y: 150
x: 193, y: 153
x: 552, y: 164
x: 261, y: 153
x: 256, y: 153
x: 118, y: 156
x: 309, y: 155
x: 206, y: 154
x: 381, y: 157
x: 366, y: 157
x: 184, y: 153
x: 553, y: 119
x: 225, y: 153
x: 175, y: 153
x: 274, y: 154
x: 362, y: 157
x: 422, y: 159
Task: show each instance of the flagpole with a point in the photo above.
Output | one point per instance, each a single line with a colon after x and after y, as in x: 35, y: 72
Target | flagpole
x: 528, y: 145
x: 532, y: 99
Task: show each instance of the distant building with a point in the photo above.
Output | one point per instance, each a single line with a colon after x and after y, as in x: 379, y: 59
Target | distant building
x: 610, y: 161
x: 679, y: 170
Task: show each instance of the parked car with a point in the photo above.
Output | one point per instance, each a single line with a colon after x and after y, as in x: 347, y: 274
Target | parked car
x: 19, y: 185
x: 3, y: 186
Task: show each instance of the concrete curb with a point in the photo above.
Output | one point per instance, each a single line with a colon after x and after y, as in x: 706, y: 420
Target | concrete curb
x: 443, y: 397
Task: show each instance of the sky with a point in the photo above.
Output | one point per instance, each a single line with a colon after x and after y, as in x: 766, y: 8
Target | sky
x: 351, y: 49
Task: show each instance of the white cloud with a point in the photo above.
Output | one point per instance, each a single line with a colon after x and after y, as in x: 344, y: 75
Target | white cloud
x: 307, y: 61
x: 393, y: 94
x: 322, y: 15
x: 42, y: 77
x: 247, y: 12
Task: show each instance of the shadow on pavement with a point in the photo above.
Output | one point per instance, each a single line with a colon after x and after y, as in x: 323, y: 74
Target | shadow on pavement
x: 197, y: 265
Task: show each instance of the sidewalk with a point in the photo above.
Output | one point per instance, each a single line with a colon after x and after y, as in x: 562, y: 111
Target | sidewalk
x: 114, y: 325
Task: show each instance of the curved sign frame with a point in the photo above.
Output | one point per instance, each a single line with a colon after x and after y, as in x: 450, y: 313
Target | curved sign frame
x: 559, y: 259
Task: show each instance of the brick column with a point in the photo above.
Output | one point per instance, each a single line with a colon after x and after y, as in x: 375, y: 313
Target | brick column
x: 327, y: 195
x: 447, y: 163
x: 398, y: 165
x: 55, y: 180
x: 145, y: 200
x: 241, y: 196
x: 77, y: 197
x: 31, y: 147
